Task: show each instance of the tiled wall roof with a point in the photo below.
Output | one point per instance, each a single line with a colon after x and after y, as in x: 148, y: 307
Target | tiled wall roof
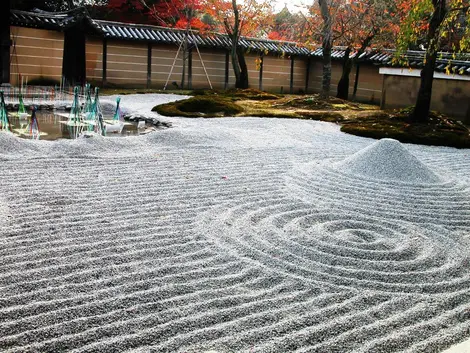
x: 117, y: 30
x: 154, y: 34
x: 123, y: 31
x: 455, y: 63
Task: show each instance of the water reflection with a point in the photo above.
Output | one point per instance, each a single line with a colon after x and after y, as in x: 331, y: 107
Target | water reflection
x: 53, y: 126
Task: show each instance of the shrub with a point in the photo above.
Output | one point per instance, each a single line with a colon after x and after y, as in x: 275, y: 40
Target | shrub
x: 199, y: 106
x: 438, y: 130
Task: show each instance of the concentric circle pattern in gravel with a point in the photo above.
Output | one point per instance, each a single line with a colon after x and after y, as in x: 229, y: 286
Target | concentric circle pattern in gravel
x: 233, y: 235
x: 341, y: 250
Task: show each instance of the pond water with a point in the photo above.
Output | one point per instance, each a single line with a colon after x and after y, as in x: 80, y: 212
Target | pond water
x: 52, y: 127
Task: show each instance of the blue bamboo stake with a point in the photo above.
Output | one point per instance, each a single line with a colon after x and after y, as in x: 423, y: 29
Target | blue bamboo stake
x: 88, y: 106
x: 74, y: 116
x: 4, y: 121
x: 100, y: 128
x: 21, y: 108
x: 34, y: 125
x: 117, y: 114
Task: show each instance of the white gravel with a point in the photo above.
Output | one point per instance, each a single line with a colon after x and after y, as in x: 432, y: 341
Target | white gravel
x: 233, y: 235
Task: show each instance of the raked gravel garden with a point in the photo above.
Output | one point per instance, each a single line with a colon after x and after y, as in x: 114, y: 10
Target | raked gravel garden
x: 233, y: 235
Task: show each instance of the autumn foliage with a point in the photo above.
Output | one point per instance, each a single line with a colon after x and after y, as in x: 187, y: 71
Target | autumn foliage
x: 167, y: 13
x: 255, y: 16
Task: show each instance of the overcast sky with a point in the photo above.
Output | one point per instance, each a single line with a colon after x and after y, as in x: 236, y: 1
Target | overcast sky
x: 293, y: 5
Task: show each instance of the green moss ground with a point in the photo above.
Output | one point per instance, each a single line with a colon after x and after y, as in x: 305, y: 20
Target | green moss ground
x: 109, y: 91
x: 200, y: 106
x: 354, y: 118
x: 439, y: 130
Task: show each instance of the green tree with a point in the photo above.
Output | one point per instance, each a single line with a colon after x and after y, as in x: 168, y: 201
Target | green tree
x: 427, y: 22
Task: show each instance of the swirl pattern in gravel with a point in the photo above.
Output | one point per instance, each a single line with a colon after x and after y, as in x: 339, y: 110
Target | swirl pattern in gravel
x: 233, y: 235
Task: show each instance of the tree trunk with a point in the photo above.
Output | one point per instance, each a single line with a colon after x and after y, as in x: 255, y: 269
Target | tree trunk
x: 327, y: 44
x: 189, y: 15
x: 343, y: 84
x: 423, y: 101
x: 234, y: 56
x: 239, y: 67
x: 242, y: 82
x: 238, y: 58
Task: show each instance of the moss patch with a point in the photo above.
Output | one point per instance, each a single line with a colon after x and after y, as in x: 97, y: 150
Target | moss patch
x: 330, y: 116
x: 236, y: 94
x: 251, y: 94
x: 200, y: 106
x: 438, y: 130
x: 357, y: 119
x: 108, y: 91
x: 315, y: 102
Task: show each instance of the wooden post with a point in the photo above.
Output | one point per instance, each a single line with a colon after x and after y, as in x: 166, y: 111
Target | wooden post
x: 227, y: 64
x: 291, y: 83
x: 307, y: 75
x: 5, y: 43
x: 260, y: 85
x: 149, y: 65
x: 105, y: 64
x: 74, y: 57
x: 190, y: 69
x: 382, y: 98
x: 356, y: 82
